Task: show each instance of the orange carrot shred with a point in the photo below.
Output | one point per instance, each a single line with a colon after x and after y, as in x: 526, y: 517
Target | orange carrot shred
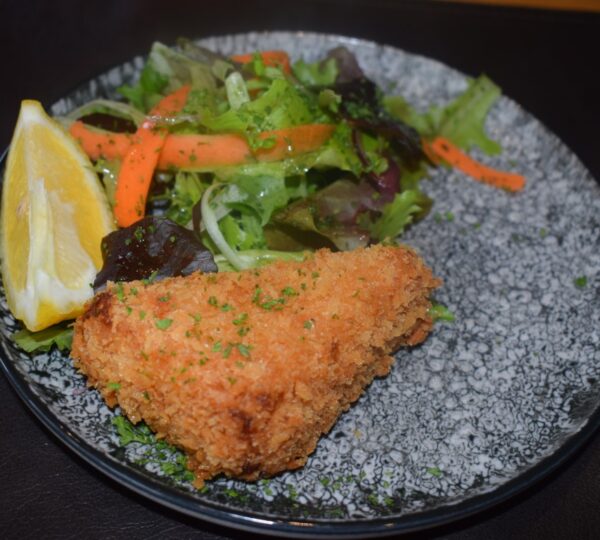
x: 442, y: 150
x: 140, y: 160
x: 198, y: 152
x: 98, y: 144
x: 278, y: 59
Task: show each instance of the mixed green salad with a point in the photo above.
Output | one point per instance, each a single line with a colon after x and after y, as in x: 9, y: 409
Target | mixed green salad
x: 361, y: 185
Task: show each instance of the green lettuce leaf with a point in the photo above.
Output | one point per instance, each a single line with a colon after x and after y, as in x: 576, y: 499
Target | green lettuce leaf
x: 264, y: 194
x: 147, y: 92
x: 166, y: 70
x: 252, y: 199
x: 185, y: 193
x: 203, y: 103
x: 281, y: 106
x: 339, y: 152
x: 316, y: 73
x: 397, y: 215
x: 243, y: 232
x: 59, y: 335
x: 180, y: 69
x: 462, y: 121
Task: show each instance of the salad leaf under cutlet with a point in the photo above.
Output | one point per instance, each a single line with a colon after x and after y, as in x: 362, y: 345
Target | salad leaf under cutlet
x: 461, y: 121
x: 171, y: 461
x: 59, y: 335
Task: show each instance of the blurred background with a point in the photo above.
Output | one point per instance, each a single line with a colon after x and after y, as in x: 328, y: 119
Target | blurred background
x: 575, y: 5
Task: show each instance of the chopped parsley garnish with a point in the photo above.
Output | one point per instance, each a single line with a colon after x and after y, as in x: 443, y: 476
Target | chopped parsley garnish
x: 267, y: 303
x: 240, y: 319
x: 580, y: 282
x: 150, y: 279
x: 438, y: 312
x: 163, y: 324
x: 288, y: 291
x: 256, y: 295
x: 244, y: 349
x: 119, y: 293
x: 273, y: 303
x: 447, y: 216
x: 113, y: 386
x: 434, y: 471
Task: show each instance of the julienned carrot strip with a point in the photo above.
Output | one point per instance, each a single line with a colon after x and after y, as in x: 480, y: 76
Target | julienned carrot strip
x: 203, y: 151
x: 207, y: 151
x: 135, y: 174
x: 173, y: 103
x: 98, y: 144
x: 140, y: 160
x: 441, y: 149
x: 294, y: 141
x: 278, y: 59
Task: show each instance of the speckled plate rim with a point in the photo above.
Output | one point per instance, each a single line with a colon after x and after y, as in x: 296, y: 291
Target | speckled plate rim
x: 300, y: 527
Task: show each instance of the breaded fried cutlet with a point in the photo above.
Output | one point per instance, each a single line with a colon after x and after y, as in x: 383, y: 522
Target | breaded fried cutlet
x: 246, y: 370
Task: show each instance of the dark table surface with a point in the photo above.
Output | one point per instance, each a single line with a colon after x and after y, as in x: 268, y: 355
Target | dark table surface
x: 546, y: 61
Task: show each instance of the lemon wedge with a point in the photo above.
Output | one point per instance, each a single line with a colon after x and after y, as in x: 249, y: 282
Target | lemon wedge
x: 54, y: 216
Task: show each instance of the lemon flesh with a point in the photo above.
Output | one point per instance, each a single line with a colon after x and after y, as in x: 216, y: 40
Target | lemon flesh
x: 54, y: 216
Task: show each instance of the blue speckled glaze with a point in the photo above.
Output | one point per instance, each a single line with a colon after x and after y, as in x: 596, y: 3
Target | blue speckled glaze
x: 484, y: 400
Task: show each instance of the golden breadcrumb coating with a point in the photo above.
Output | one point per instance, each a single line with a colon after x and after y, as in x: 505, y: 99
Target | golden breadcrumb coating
x: 246, y: 370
